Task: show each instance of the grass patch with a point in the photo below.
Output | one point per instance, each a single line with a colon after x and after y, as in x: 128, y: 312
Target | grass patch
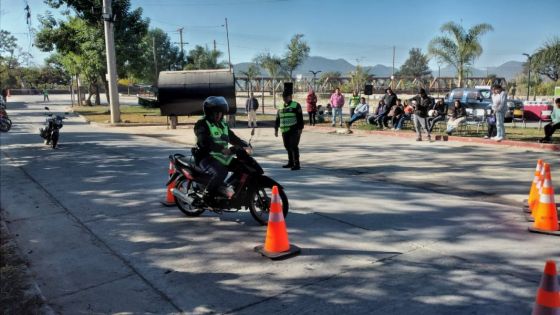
x: 15, y: 294
x: 529, y: 134
x: 143, y: 115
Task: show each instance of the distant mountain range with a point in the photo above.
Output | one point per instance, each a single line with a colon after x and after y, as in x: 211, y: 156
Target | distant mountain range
x: 508, y: 70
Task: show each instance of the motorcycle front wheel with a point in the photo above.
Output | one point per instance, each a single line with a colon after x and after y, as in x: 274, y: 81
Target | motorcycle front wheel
x: 5, y: 125
x: 184, y: 185
x: 259, y: 204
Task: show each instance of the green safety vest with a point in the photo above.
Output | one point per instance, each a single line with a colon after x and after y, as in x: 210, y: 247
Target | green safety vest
x: 221, y: 138
x: 354, y: 101
x: 287, y: 116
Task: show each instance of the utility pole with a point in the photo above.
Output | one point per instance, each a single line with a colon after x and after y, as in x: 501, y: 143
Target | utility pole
x: 393, y: 73
x: 529, y: 76
x: 111, y: 62
x: 155, y: 59
x: 228, y: 52
x: 181, y: 39
x: 214, y: 45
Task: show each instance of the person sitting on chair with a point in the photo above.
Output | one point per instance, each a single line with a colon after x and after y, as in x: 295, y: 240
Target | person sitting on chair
x: 360, y: 112
x: 436, y: 113
x: 456, y: 116
x: 379, y: 116
x: 554, y: 124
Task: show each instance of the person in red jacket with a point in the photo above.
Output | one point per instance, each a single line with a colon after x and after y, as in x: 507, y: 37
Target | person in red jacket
x: 311, y: 102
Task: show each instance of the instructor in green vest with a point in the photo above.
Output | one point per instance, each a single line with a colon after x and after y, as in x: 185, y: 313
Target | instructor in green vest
x: 354, y: 102
x: 289, y: 120
x: 212, y: 139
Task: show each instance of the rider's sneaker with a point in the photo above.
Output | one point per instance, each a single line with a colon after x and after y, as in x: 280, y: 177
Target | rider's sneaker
x: 295, y: 167
x: 289, y: 165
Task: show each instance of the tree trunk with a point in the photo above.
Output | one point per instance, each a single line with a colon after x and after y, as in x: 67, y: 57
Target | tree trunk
x: 97, y: 96
x: 460, y: 74
x: 274, y: 91
x: 78, y: 90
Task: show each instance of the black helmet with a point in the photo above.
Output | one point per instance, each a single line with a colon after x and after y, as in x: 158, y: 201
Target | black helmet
x: 215, y: 104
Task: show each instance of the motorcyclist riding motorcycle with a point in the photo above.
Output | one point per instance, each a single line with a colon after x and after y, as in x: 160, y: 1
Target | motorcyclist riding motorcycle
x: 212, y: 138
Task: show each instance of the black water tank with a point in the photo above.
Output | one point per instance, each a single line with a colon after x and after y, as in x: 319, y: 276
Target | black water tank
x: 181, y: 93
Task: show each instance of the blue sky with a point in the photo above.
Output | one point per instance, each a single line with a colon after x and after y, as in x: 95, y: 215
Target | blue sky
x: 356, y: 30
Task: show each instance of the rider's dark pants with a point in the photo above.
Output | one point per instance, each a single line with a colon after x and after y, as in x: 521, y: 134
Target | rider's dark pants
x: 217, y: 170
x: 291, y: 143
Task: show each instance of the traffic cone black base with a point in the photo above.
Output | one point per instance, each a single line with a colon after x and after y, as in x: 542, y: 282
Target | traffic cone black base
x: 535, y: 230
x: 293, y: 251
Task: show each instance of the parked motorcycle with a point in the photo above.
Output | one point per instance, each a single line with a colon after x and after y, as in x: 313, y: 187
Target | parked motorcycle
x: 50, y: 132
x: 246, y: 186
x: 5, y: 122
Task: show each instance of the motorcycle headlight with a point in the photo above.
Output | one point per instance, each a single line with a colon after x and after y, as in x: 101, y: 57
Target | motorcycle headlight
x: 249, y: 150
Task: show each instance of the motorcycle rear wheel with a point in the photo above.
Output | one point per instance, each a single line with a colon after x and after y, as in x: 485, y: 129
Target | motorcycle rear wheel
x: 184, y: 185
x: 54, y: 140
x: 259, y: 204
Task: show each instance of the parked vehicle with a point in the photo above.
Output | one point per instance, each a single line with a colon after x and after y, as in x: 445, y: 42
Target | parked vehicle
x: 474, y: 98
x: 5, y: 122
x: 50, y: 132
x: 512, y: 105
x: 247, y: 186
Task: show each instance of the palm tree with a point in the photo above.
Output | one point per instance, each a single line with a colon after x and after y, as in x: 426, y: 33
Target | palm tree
x: 251, y: 72
x: 461, y: 48
x: 273, y: 65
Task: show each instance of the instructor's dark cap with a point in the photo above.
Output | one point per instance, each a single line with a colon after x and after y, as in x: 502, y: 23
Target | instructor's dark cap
x: 421, y: 91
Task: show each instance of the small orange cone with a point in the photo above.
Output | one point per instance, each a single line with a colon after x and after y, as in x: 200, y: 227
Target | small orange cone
x: 533, y: 193
x: 169, y: 198
x: 546, y: 215
x: 548, y: 294
x: 277, y: 245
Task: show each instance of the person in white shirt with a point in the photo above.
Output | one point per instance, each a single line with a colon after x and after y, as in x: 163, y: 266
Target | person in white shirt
x: 499, y: 106
x: 360, y: 112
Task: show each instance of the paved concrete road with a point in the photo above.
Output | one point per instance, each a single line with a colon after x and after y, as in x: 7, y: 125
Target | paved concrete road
x: 386, y: 226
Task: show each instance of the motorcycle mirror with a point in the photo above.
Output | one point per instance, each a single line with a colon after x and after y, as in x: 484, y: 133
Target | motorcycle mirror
x: 47, y: 108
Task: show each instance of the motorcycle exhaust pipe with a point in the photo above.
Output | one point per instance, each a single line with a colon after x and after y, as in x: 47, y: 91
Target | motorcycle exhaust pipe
x: 181, y: 196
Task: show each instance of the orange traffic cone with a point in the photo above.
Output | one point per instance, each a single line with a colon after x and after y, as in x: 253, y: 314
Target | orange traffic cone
x: 277, y: 245
x: 535, y: 204
x: 169, y: 198
x: 548, y: 294
x: 546, y: 215
x: 534, y: 190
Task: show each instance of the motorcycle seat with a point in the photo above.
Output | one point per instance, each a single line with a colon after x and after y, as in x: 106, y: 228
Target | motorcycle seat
x: 185, y: 162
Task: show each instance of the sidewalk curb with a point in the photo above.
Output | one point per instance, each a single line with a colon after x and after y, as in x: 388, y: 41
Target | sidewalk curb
x: 511, y: 143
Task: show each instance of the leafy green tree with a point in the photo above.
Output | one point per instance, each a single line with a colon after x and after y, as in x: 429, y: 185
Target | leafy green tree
x: 546, y: 61
x: 358, y: 78
x: 333, y: 77
x: 204, y: 58
x: 168, y: 57
x: 273, y: 65
x: 83, y: 34
x: 457, y: 47
x: 298, y: 51
x: 416, y: 65
x: 11, y: 58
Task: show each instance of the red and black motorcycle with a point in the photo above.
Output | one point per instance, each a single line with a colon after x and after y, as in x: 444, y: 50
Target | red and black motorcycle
x: 246, y: 186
